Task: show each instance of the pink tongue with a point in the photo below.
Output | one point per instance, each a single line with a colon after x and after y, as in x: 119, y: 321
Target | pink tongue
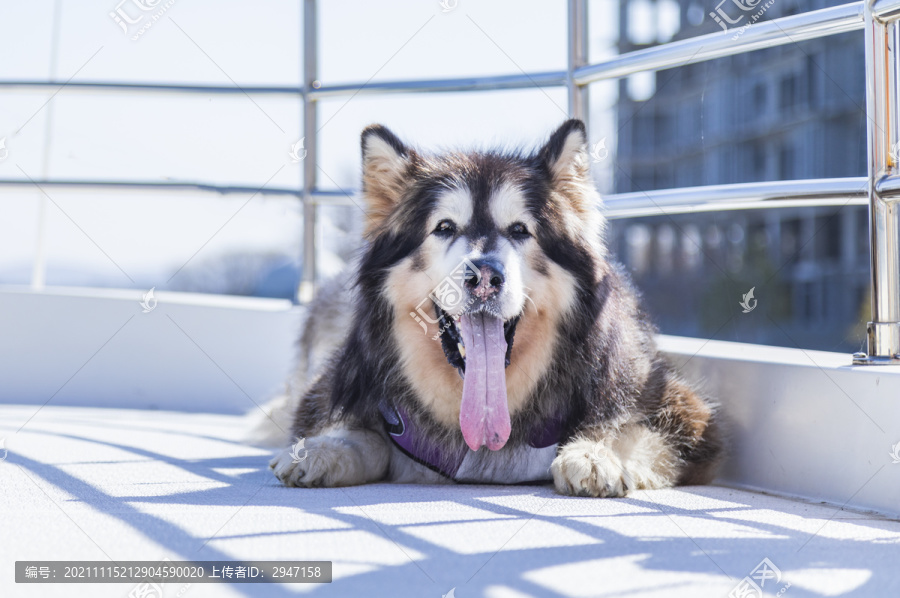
x: 484, y: 414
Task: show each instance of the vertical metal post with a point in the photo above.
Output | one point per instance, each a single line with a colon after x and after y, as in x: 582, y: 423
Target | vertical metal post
x: 310, y: 126
x: 883, y: 332
x: 39, y: 267
x: 578, y: 56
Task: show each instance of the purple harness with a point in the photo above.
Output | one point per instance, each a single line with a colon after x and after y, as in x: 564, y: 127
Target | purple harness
x: 404, y: 435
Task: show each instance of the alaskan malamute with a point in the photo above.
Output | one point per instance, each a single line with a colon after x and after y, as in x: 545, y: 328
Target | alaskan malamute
x: 489, y: 338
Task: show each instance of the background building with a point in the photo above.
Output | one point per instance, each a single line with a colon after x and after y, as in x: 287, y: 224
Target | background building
x: 791, y: 112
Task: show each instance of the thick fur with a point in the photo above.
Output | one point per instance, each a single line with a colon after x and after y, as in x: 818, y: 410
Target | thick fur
x: 582, y: 353
x: 324, y: 330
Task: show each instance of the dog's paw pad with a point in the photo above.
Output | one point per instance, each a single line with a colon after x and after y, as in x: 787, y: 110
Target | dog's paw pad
x: 587, y: 469
x: 325, y: 462
x: 287, y: 469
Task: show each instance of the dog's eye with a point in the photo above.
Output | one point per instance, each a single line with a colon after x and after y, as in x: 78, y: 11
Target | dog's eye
x: 518, y: 230
x: 445, y: 228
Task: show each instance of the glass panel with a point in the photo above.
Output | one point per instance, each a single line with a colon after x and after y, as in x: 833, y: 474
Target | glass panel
x: 792, y: 112
x: 647, y: 23
x: 809, y: 278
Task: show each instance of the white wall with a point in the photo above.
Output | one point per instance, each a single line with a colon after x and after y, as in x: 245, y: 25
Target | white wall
x: 96, y: 347
x: 805, y: 423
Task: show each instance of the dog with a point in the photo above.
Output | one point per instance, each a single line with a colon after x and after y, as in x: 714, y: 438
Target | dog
x: 486, y: 336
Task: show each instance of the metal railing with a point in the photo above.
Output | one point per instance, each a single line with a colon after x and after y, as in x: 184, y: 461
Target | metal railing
x: 880, y: 190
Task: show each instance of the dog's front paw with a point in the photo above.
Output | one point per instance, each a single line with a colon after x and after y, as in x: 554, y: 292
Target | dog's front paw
x: 587, y: 468
x: 326, y: 461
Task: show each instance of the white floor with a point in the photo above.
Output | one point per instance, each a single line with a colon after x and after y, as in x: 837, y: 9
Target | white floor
x: 98, y: 484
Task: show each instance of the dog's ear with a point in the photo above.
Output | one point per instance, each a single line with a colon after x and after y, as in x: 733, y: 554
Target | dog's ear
x: 565, y: 155
x: 386, y: 168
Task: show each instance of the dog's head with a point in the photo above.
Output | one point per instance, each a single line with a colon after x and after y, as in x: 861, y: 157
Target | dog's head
x: 479, y: 250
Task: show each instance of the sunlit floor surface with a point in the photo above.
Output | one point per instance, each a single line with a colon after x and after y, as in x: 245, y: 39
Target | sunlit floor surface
x: 99, y: 484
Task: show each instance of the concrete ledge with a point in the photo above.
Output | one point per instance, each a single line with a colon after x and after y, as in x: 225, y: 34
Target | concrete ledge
x: 802, y: 423
x: 96, y: 347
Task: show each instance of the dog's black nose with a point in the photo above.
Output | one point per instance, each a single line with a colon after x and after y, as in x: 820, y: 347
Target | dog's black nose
x: 488, y: 279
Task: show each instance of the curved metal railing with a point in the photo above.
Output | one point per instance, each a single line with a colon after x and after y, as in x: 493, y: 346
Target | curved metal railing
x: 880, y: 190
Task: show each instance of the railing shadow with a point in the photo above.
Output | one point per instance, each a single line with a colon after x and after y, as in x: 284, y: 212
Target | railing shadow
x: 708, y: 540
